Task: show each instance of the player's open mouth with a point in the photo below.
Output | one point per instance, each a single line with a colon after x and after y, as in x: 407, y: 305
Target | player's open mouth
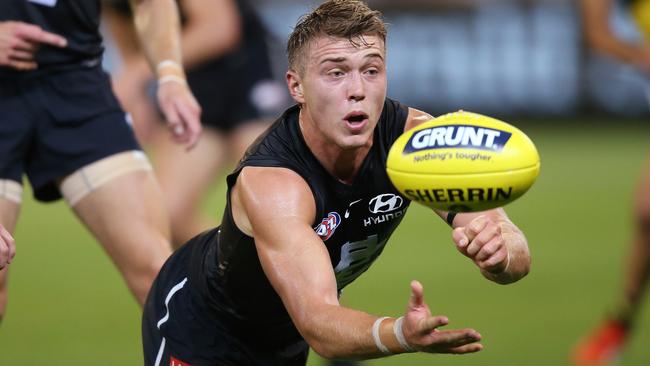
x: 356, y: 120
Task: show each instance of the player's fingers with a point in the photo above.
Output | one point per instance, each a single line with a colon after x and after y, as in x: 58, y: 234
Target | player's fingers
x: 173, y: 120
x: 468, y: 348
x: 460, y: 239
x: 417, y: 295
x: 20, y: 55
x: 23, y: 45
x: 35, y: 33
x: 429, y: 324
x: 455, y: 338
x: 22, y: 65
x: 497, y: 262
x: 489, y: 230
x: 475, y: 226
x: 10, y: 243
x: 191, y: 123
x: 495, y: 244
x: 4, y: 254
x: 4, y: 251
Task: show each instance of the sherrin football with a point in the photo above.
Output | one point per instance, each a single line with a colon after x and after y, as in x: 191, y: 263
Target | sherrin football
x: 463, y: 162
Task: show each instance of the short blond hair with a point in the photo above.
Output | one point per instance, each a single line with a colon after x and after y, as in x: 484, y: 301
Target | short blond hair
x: 335, y: 18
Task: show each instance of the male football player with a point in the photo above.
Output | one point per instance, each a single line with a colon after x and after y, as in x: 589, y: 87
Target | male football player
x: 263, y: 287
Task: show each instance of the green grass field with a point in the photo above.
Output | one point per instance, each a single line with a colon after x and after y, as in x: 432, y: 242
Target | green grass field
x: 68, y: 305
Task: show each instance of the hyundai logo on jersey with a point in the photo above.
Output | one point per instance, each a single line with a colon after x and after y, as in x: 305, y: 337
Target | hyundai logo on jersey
x: 463, y: 136
x: 327, y: 226
x: 386, y: 202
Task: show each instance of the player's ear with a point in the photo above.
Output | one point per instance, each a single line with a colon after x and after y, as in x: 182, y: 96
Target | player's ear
x: 294, y: 83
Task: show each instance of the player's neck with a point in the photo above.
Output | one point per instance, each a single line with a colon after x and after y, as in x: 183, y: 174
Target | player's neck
x: 343, y: 164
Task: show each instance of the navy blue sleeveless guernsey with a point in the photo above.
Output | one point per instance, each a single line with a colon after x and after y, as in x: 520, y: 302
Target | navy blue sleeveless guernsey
x: 354, y: 221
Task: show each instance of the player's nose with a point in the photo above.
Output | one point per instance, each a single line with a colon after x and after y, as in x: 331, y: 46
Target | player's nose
x: 356, y: 87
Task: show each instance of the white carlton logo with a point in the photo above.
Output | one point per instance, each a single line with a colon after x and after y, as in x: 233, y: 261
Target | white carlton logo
x: 386, y: 202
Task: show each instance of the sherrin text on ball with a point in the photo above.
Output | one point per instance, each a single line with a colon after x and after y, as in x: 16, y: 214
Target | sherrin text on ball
x: 463, y: 161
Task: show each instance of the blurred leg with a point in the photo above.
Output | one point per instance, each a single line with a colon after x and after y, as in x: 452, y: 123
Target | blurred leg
x: 8, y: 215
x: 605, y: 343
x: 638, y: 265
x: 127, y: 216
x: 185, y: 177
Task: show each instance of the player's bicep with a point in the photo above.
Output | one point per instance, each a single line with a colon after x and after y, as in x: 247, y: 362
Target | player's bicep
x: 280, y: 208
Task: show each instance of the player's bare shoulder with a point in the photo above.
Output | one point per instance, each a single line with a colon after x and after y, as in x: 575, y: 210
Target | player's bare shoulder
x: 264, y: 192
x: 415, y: 118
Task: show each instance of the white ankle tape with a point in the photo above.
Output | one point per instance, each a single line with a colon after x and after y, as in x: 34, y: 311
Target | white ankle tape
x: 375, y: 336
x: 92, y: 176
x: 11, y: 190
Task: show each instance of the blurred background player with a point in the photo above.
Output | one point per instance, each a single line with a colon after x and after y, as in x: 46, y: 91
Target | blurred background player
x: 62, y: 126
x: 226, y: 55
x: 604, y: 345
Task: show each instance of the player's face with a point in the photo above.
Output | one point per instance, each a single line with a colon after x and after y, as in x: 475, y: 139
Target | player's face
x: 343, y: 89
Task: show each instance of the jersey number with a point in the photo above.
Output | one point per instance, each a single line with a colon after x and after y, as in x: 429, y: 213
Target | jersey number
x: 356, y: 257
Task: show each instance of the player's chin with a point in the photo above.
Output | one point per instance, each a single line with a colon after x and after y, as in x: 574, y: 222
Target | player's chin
x: 354, y: 142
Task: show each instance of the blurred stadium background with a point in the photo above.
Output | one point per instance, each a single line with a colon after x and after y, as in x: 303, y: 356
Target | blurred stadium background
x: 523, y: 61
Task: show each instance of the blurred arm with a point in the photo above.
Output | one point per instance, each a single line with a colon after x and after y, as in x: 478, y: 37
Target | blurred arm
x: 134, y: 72
x: 158, y: 27
x: 213, y: 28
x: 600, y: 37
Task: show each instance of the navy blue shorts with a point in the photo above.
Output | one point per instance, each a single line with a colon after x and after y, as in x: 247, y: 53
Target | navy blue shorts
x: 180, y: 328
x: 53, y: 124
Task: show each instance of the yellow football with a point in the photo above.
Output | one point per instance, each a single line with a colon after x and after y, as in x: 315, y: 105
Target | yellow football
x: 462, y: 162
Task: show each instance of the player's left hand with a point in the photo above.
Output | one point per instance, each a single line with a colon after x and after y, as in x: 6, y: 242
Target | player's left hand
x: 7, y: 247
x: 482, y: 241
x: 181, y: 111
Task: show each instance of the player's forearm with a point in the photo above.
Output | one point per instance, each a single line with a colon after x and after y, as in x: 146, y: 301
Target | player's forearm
x: 338, y: 332
x: 157, y: 25
x: 519, y: 260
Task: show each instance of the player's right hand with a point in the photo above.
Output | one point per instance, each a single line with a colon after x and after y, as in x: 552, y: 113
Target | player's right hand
x: 421, y: 331
x: 19, y: 42
x: 182, y: 112
x: 7, y: 247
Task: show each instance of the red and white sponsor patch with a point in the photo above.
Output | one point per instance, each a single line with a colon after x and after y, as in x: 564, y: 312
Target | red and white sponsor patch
x: 173, y: 361
x: 328, y: 225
